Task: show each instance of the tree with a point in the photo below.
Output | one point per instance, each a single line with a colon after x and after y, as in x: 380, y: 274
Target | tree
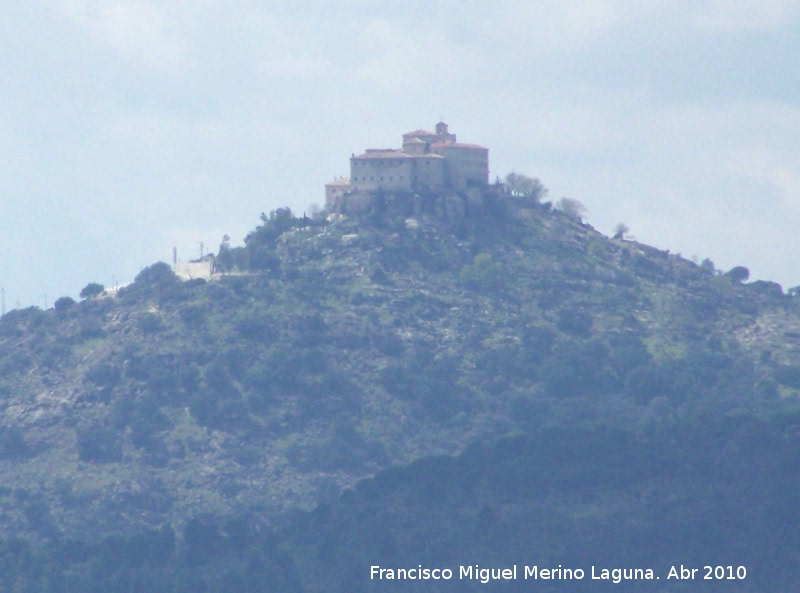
x: 738, y: 274
x: 620, y: 231
x: 155, y: 278
x: 280, y: 219
x: 571, y: 207
x: 525, y: 187
x: 63, y: 304
x: 260, y: 243
x: 708, y: 266
x: 159, y: 274
x: 224, y: 260
x: 92, y: 290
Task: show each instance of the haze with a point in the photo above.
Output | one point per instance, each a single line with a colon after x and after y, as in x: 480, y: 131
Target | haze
x: 130, y: 127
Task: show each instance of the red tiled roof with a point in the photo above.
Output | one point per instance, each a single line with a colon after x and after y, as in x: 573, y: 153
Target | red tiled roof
x: 419, y: 133
x: 376, y: 153
x: 395, y: 154
x: 457, y: 145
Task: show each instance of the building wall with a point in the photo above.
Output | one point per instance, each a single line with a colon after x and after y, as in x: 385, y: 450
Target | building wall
x: 335, y: 190
x: 429, y: 173
x: 415, y: 146
x: 387, y: 174
x: 427, y: 161
x: 195, y: 269
x: 468, y: 166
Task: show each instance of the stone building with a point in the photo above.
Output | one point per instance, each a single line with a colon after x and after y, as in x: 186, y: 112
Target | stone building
x: 428, y: 161
x: 336, y: 189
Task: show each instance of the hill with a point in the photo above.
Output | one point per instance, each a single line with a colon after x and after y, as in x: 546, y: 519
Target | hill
x: 436, y: 369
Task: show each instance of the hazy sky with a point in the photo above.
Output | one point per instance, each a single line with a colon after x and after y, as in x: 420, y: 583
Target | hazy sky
x: 128, y: 127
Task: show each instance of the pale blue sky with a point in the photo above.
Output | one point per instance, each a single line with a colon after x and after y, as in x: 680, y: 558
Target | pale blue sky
x: 128, y: 127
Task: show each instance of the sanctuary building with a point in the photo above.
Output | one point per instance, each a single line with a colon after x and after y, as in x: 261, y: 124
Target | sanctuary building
x: 428, y: 161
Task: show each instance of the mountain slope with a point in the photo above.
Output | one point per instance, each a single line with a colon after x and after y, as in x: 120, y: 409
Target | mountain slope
x: 346, y: 347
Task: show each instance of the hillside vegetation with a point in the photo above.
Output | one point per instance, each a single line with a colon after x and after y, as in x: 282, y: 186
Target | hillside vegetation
x: 441, y: 379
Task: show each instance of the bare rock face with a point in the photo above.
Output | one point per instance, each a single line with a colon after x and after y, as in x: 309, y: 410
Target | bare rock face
x: 452, y: 207
x: 354, y: 203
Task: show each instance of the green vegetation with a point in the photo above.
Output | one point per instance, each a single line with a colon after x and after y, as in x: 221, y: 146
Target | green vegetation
x: 92, y: 289
x: 572, y: 208
x: 476, y: 380
x: 526, y: 187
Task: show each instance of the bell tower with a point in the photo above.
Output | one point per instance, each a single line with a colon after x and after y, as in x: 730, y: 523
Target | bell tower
x: 442, y: 135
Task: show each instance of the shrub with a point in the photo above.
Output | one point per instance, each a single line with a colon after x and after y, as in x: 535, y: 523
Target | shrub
x: 482, y: 272
x: 192, y: 315
x: 575, y: 322
x: 571, y: 207
x: 159, y: 273
x: 12, y: 444
x: 91, y: 327
x: 767, y: 288
x: 99, y: 445
x: 150, y: 322
x: 788, y: 375
x: 156, y: 280
x: 63, y: 304
x: 91, y: 290
x: 738, y: 274
x: 104, y: 375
